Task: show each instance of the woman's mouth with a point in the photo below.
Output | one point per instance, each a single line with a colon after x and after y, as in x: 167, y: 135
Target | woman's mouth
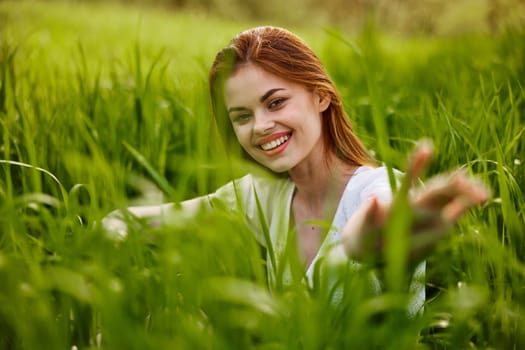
x: 275, y: 143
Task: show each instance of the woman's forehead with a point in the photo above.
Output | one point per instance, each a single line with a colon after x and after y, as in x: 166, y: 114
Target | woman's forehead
x: 253, y: 73
x: 250, y: 82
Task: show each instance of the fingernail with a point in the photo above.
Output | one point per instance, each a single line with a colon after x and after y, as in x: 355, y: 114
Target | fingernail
x: 425, y: 145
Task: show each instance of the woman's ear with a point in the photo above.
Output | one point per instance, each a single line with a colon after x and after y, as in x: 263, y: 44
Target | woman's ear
x: 323, y: 101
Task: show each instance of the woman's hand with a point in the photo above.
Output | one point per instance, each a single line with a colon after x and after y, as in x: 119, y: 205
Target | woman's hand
x: 116, y: 223
x: 437, y: 205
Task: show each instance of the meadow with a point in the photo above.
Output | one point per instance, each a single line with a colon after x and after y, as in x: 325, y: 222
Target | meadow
x: 106, y: 106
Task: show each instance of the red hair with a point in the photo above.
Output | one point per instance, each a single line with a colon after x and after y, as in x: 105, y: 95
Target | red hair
x: 284, y: 54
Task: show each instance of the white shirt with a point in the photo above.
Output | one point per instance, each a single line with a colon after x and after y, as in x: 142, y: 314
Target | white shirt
x: 266, y: 202
x: 266, y: 205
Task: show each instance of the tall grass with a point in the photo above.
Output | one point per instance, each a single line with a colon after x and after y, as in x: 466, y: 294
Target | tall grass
x: 98, y: 113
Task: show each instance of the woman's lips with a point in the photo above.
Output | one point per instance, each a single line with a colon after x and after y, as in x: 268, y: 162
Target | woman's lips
x: 275, y: 144
x: 268, y: 146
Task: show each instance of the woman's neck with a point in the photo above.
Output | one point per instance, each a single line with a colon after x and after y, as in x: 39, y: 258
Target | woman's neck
x: 320, y: 184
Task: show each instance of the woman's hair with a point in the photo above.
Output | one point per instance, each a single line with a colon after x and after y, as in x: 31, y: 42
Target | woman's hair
x: 285, y: 55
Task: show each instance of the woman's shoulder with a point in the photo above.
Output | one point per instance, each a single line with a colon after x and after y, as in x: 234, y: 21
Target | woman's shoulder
x: 367, y: 174
x: 261, y: 182
x: 367, y: 181
x: 375, y: 171
x: 251, y: 186
x: 259, y: 198
x: 370, y: 181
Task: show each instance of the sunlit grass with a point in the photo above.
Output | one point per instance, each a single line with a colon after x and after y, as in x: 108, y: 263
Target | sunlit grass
x: 102, y: 107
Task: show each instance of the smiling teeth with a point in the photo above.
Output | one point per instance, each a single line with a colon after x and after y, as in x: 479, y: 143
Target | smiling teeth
x: 275, y: 143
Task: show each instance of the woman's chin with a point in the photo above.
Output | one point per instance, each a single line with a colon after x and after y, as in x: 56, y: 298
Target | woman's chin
x: 278, y: 168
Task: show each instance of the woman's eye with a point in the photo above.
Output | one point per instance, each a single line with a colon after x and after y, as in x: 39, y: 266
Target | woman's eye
x: 241, y: 118
x: 276, y: 103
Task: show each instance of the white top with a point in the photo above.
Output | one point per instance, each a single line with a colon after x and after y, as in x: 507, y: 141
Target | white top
x: 266, y: 204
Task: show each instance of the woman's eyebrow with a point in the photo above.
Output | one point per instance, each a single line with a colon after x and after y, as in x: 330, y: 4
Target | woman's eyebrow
x: 268, y: 94
x: 236, y: 109
x: 263, y: 98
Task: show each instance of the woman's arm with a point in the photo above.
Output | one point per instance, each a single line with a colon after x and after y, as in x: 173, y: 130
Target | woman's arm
x: 436, y: 208
x: 116, y: 222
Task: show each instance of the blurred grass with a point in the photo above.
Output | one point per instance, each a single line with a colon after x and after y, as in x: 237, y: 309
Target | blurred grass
x: 103, y: 106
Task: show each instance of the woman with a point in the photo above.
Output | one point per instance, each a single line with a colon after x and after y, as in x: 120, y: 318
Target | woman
x: 271, y: 94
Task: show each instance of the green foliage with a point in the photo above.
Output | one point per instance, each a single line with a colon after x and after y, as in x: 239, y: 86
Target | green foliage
x: 105, y: 107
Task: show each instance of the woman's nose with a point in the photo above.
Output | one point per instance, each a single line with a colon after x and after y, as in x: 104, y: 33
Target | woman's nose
x: 264, y: 123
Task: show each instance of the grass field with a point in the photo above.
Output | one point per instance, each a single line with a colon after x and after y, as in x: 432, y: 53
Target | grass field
x: 103, y: 106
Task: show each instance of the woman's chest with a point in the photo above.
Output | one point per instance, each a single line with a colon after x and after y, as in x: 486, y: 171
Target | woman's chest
x: 309, y: 228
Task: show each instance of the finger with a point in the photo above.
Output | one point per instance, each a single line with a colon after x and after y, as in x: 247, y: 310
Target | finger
x: 474, y: 189
x: 441, y: 190
x: 436, y: 193
x: 420, y: 159
x: 452, y: 211
x: 472, y: 196
x: 375, y: 213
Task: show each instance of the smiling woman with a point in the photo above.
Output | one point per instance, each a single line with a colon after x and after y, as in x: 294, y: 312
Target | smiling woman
x: 275, y: 121
x: 287, y: 57
x: 271, y: 94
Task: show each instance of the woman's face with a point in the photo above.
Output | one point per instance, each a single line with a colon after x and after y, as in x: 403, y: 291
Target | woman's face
x: 277, y: 122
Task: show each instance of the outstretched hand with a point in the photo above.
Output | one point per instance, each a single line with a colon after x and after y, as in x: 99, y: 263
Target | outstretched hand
x: 437, y: 205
